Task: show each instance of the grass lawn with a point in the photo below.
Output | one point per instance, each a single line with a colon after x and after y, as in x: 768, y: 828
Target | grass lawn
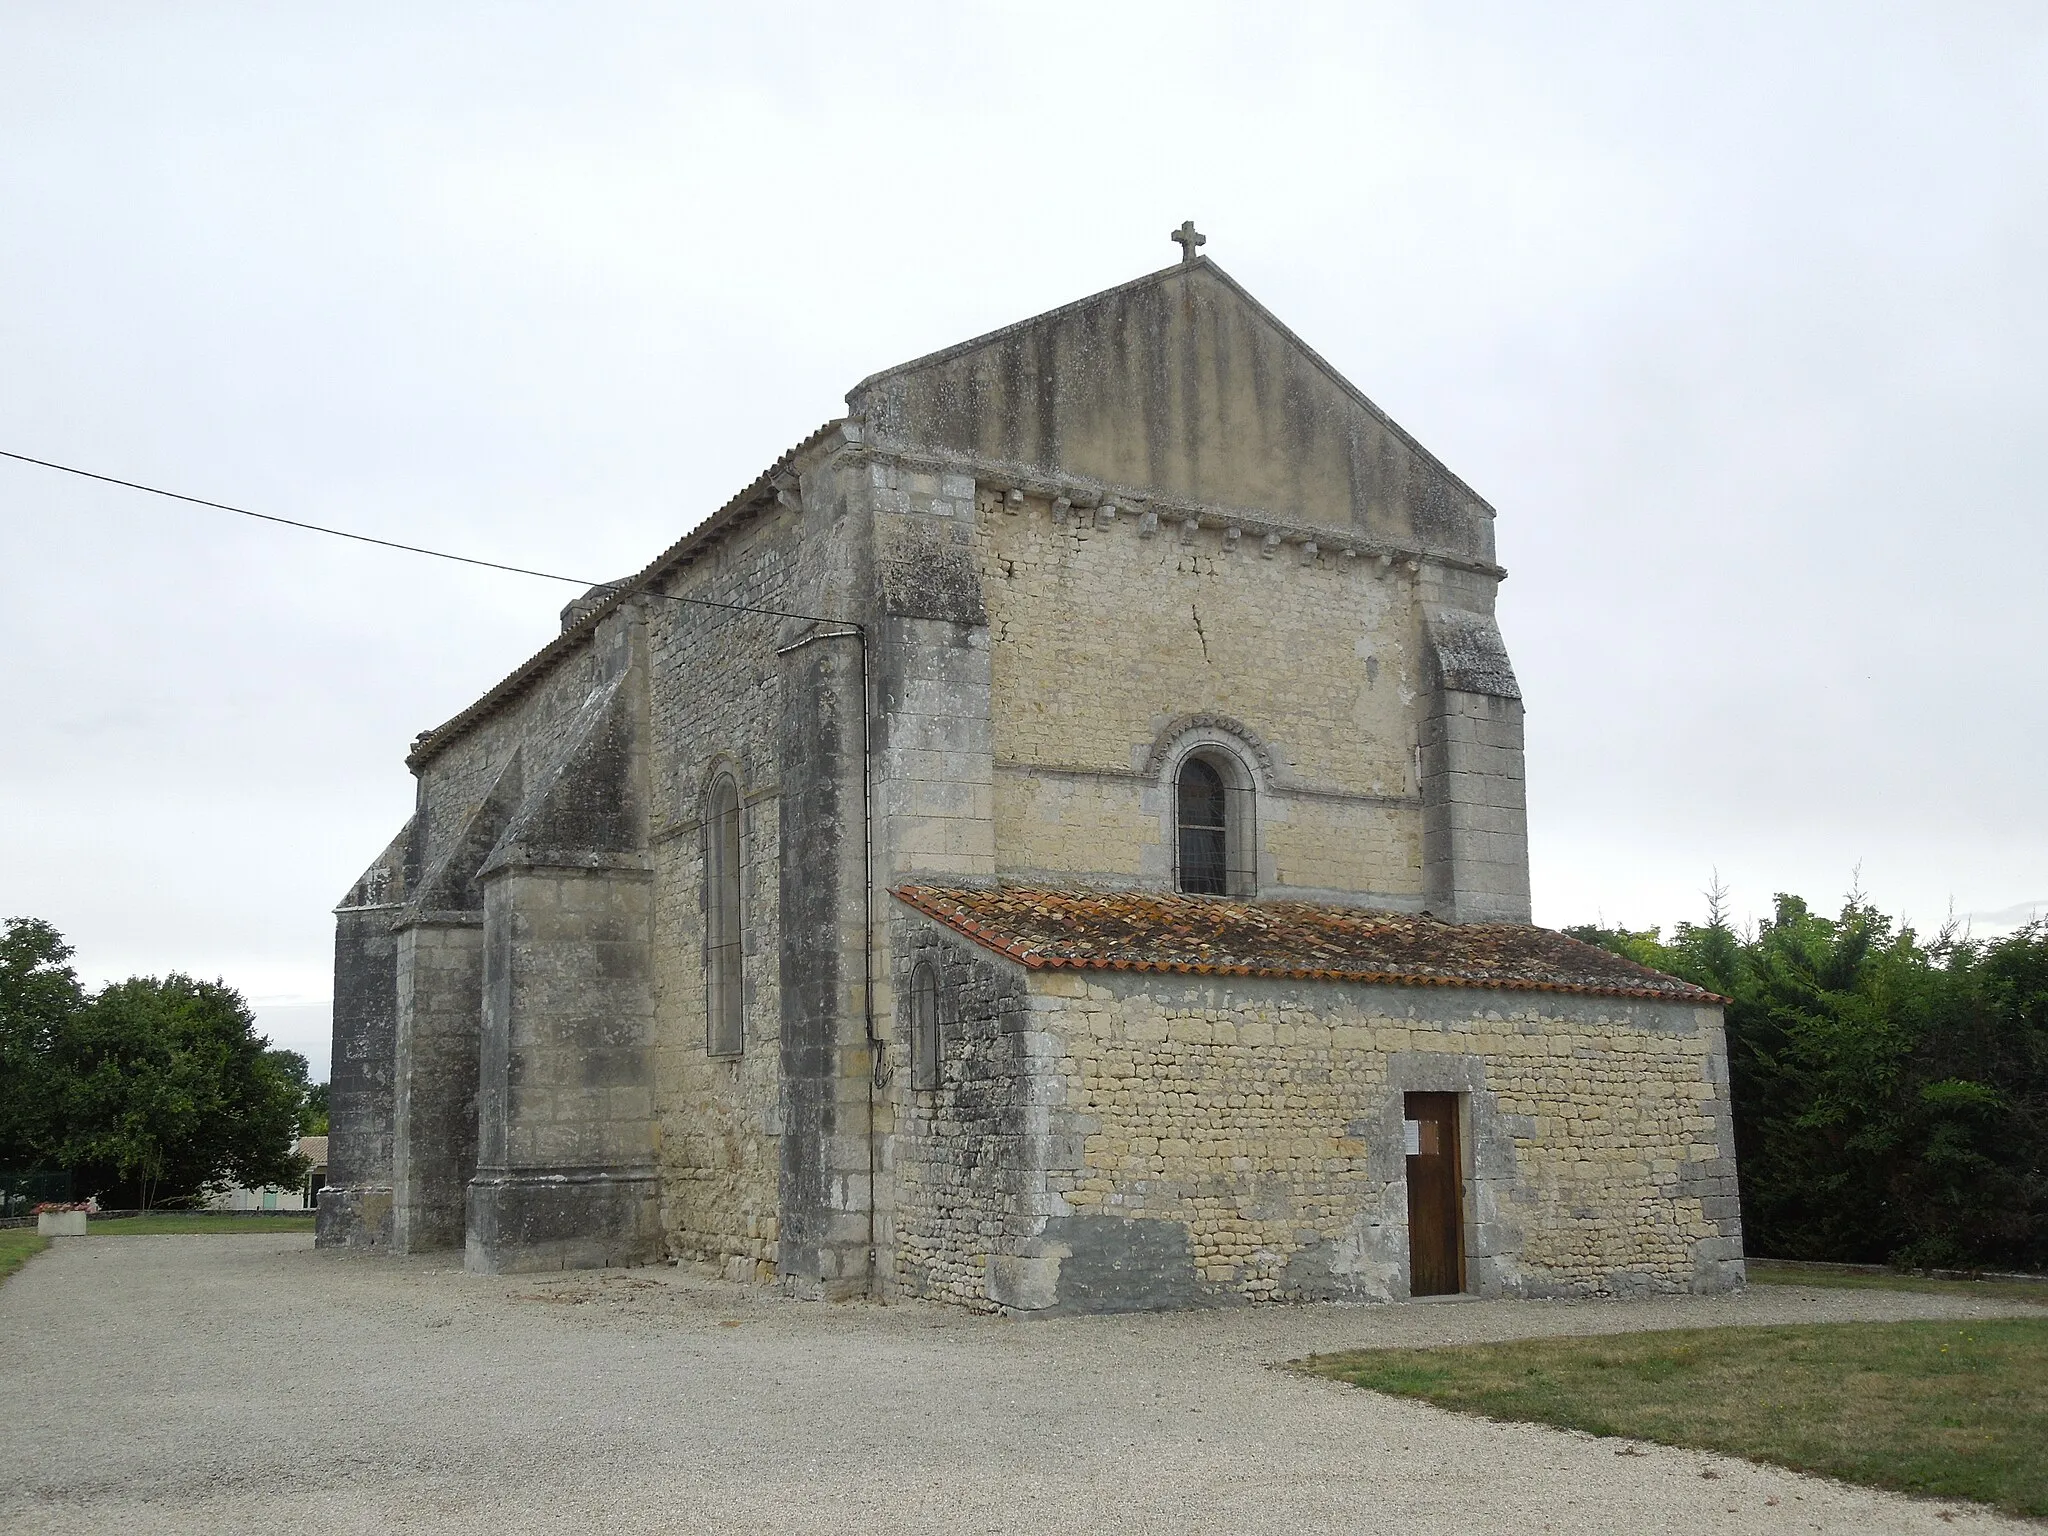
x: 20, y: 1244
x: 17, y: 1246
x: 157, y: 1223
x: 1765, y: 1272
x: 1954, y: 1410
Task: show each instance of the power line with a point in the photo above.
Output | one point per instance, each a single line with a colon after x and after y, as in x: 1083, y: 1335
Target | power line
x: 266, y: 517
x: 410, y: 549
x: 850, y: 629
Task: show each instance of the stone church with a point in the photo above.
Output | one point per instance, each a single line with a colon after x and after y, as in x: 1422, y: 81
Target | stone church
x: 1054, y: 842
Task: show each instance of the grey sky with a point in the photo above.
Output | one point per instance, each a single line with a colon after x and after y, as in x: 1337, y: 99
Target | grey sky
x: 1735, y: 313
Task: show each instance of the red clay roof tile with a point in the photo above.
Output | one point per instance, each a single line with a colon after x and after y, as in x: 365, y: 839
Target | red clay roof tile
x: 1049, y: 929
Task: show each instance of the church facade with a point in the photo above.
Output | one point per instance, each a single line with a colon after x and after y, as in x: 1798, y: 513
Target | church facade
x: 1054, y: 842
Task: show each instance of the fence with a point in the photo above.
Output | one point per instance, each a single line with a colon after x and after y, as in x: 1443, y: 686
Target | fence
x: 22, y: 1192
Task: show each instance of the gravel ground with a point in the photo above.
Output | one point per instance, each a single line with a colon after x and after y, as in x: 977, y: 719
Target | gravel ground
x: 228, y: 1384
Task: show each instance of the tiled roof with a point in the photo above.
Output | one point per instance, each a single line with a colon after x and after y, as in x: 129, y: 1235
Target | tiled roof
x: 1049, y: 929
x: 314, y: 1150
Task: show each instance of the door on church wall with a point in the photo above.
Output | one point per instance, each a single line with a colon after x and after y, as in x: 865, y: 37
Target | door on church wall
x: 1436, y: 1195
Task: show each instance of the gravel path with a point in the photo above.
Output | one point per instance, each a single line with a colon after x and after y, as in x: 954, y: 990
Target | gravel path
x: 229, y: 1384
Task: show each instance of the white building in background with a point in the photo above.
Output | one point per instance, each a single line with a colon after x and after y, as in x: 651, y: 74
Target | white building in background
x: 275, y: 1197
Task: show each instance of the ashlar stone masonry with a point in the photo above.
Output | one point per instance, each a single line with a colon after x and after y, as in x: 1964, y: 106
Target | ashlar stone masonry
x: 1051, y: 843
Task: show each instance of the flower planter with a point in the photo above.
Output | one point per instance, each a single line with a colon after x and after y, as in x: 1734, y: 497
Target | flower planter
x: 61, y: 1223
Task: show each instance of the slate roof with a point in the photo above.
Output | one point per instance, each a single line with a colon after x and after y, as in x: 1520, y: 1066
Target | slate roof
x: 1052, y: 929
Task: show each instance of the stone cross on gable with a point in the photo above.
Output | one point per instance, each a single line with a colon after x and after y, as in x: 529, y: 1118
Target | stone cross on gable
x: 1188, y: 237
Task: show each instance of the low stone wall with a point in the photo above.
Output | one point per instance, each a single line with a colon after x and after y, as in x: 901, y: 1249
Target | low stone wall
x: 1117, y: 1141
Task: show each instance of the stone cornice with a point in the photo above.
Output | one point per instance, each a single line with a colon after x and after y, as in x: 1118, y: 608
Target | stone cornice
x: 1152, y: 513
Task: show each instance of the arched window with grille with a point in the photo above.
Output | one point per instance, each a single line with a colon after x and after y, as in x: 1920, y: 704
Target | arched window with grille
x: 726, y: 1035
x: 1214, y: 853
x: 924, y: 1026
x: 1204, y: 829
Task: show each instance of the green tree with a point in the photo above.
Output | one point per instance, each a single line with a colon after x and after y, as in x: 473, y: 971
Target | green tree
x: 168, y: 1089
x: 1978, y: 1110
x: 313, y: 1115
x: 1825, y: 1017
x: 39, y: 996
x: 1890, y: 1096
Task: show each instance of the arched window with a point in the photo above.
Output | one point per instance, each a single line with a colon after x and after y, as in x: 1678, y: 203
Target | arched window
x: 1204, y: 816
x: 924, y: 1026
x: 1206, y: 772
x: 727, y: 990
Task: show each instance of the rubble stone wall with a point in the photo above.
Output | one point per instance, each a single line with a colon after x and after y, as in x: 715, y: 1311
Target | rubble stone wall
x: 964, y: 1153
x: 1148, y: 1141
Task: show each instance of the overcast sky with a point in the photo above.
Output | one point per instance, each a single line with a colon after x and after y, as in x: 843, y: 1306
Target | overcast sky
x: 1735, y: 313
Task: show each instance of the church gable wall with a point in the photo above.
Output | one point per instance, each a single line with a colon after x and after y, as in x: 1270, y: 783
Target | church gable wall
x: 1180, y: 382
x: 1107, y: 631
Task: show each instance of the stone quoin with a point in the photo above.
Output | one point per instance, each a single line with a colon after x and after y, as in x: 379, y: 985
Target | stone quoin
x: 1055, y: 842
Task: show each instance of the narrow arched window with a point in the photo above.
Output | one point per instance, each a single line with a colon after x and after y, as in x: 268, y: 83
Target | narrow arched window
x: 1204, y: 829
x: 722, y: 951
x: 924, y: 1026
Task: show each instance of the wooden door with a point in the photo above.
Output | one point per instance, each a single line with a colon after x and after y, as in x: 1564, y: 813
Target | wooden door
x: 1436, y: 1195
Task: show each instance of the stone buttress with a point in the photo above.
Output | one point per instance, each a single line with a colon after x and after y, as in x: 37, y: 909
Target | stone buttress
x: 440, y: 996
x: 355, y: 1206
x: 565, y: 1156
x: 828, y: 1151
